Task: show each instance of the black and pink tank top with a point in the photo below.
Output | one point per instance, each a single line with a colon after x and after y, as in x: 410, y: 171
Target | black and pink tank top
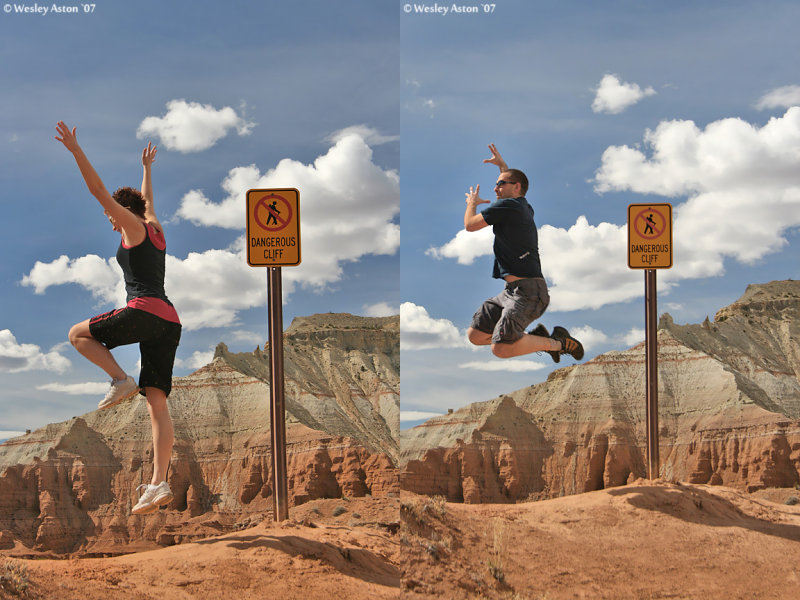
x: 143, y: 267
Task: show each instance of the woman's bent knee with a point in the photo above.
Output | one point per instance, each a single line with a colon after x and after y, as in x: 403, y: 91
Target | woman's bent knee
x: 78, y: 332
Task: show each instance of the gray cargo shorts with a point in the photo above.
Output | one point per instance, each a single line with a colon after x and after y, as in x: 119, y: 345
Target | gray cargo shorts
x: 508, y: 314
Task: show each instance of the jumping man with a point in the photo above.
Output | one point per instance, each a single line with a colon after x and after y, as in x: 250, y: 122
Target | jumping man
x: 501, y: 321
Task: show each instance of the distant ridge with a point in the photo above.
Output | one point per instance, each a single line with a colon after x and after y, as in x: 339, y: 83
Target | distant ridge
x: 729, y: 413
x: 68, y: 487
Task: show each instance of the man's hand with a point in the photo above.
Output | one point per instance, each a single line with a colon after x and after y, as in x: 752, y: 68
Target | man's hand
x: 496, y: 159
x: 473, y: 198
x: 67, y: 137
x: 149, y: 154
x: 472, y: 221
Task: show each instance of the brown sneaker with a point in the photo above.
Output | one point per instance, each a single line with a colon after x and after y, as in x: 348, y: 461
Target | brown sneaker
x: 541, y: 331
x: 569, y: 345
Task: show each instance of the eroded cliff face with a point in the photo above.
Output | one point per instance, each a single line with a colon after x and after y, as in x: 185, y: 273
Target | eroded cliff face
x: 729, y: 413
x: 69, y: 487
x: 342, y: 375
x: 499, y: 459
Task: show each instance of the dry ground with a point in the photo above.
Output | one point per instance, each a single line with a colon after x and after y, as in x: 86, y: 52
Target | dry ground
x: 641, y: 541
x: 645, y: 540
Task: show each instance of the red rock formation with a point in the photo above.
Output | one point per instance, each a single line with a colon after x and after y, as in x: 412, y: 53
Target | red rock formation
x: 501, y: 461
x: 69, y: 487
x: 729, y: 414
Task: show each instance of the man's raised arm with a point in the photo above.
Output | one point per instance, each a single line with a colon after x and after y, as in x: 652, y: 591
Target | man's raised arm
x: 496, y: 159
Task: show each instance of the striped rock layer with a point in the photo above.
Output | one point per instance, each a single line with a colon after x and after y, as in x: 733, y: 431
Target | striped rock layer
x: 69, y: 487
x: 729, y: 414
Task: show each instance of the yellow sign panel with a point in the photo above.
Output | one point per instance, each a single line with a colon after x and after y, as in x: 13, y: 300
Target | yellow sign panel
x: 273, y: 227
x: 650, y: 236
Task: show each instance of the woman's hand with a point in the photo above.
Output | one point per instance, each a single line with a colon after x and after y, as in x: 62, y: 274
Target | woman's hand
x: 67, y: 136
x: 149, y: 154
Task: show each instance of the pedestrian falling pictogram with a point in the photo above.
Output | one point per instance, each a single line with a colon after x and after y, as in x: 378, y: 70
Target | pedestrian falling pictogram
x: 273, y: 228
x: 650, y: 236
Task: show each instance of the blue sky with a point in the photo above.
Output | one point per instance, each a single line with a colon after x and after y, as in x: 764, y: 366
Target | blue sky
x: 236, y: 95
x: 602, y: 105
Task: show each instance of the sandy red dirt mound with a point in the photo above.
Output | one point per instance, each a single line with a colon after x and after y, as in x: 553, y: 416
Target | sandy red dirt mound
x: 649, y: 539
x: 640, y: 541
x: 327, y: 549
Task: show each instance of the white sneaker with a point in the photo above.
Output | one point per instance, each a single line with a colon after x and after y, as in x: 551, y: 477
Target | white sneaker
x: 153, y: 497
x: 120, y: 390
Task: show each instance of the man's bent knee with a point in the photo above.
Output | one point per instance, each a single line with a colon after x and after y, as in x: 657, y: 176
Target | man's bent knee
x: 501, y: 350
x: 479, y: 338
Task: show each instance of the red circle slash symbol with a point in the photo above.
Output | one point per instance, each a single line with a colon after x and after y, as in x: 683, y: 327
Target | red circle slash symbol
x: 278, y: 213
x: 650, y: 223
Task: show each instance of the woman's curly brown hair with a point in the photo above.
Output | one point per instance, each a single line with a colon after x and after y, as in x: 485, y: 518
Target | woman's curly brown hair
x: 131, y: 199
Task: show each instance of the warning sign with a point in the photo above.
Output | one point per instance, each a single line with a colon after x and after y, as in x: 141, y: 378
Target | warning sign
x: 650, y: 236
x: 273, y: 227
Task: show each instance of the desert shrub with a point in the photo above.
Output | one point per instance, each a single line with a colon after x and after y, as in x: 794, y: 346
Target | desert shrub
x: 14, y: 578
x: 495, y: 561
x: 496, y: 570
x: 418, y: 511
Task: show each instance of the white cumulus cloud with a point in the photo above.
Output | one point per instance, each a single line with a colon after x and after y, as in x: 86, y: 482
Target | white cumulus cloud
x: 241, y: 335
x: 585, y: 265
x: 370, y: 135
x: 782, y: 97
x: 191, y: 126
x: 589, y: 336
x: 634, y: 336
x: 742, y: 184
x: 103, y: 278
x: 380, y: 309
x: 89, y: 388
x: 197, y: 360
x: 738, y: 190
x: 347, y: 206
x: 16, y: 357
x: 614, y: 96
x: 231, y: 284
x: 511, y: 365
x: 465, y: 247
x: 420, y: 331
x: 416, y: 415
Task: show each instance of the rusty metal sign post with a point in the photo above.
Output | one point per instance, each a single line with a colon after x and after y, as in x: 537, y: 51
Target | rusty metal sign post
x: 280, y: 492
x: 273, y: 241
x: 651, y: 371
x: 650, y: 248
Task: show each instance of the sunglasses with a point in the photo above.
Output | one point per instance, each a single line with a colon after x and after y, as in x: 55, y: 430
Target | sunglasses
x: 502, y: 183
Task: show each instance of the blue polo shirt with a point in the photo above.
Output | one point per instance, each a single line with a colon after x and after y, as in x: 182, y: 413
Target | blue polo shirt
x: 516, y: 241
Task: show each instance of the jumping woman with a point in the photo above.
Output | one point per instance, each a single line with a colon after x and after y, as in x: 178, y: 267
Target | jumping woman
x: 148, y: 319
